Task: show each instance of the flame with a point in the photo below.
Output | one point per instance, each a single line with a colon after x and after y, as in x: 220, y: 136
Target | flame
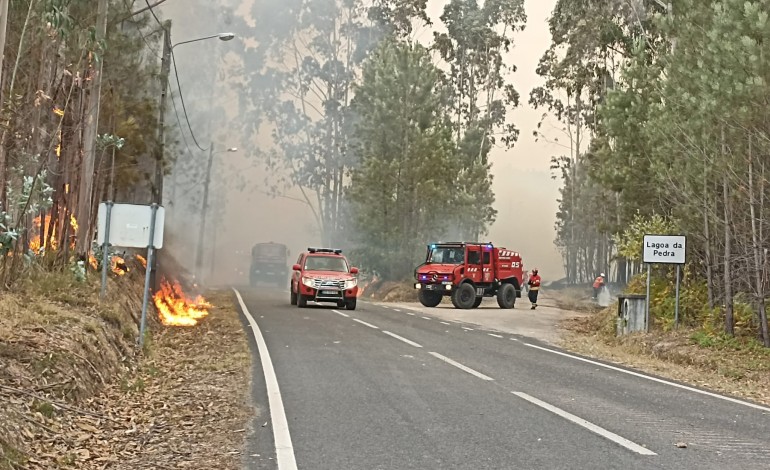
x: 119, y: 266
x: 142, y: 260
x: 92, y: 261
x: 58, y: 111
x: 176, y: 309
x: 40, y: 230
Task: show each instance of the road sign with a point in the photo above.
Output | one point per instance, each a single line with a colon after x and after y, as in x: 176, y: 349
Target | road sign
x: 130, y: 225
x: 665, y: 249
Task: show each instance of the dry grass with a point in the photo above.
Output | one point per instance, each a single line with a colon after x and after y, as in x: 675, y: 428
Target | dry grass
x: 738, y: 367
x: 75, y: 393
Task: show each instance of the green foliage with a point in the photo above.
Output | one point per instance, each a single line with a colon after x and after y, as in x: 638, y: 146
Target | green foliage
x: 629, y: 242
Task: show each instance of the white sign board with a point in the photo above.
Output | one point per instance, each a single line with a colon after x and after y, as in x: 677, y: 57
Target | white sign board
x: 130, y: 225
x: 664, y: 249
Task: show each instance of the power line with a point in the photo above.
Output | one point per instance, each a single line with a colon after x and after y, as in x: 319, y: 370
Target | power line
x: 153, y: 12
x: 181, y: 98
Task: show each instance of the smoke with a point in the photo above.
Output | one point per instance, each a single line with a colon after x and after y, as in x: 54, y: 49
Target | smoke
x: 241, y: 213
x: 604, y: 298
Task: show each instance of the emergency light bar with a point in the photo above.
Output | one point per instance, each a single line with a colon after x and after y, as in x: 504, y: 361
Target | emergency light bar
x: 336, y: 251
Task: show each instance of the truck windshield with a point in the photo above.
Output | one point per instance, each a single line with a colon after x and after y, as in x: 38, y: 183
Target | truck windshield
x: 270, y: 251
x: 447, y: 255
x: 326, y: 263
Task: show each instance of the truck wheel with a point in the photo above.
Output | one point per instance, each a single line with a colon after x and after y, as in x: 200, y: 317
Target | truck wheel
x: 292, y: 297
x: 301, y: 301
x: 429, y: 299
x: 350, y: 304
x: 506, y: 296
x: 464, y: 296
x: 477, y: 302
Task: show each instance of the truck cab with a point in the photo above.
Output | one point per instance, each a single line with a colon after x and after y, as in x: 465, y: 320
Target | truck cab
x: 269, y: 263
x: 467, y: 272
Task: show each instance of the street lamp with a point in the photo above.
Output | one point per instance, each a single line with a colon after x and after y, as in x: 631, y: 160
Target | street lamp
x: 204, y: 210
x: 165, y: 69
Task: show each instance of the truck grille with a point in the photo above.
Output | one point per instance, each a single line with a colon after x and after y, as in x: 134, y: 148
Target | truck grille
x: 327, y: 284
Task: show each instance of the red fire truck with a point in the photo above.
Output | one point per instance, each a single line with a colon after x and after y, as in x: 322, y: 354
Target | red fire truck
x: 468, y: 272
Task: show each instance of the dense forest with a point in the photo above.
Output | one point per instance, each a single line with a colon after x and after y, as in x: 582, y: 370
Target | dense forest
x: 665, y: 110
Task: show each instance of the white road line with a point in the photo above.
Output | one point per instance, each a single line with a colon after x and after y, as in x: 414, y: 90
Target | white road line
x: 367, y: 324
x: 445, y: 323
x: 340, y: 313
x: 514, y: 339
x: 460, y: 366
x: 496, y: 336
x: 412, y: 314
x: 426, y: 318
x: 396, y: 310
x: 283, y: 447
x: 654, y: 379
x: 632, y: 446
x: 466, y: 328
x: 401, y: 338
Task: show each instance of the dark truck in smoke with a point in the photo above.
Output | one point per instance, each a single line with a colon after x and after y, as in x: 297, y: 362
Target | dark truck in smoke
x: 467, y: 272
x: 269, y: 263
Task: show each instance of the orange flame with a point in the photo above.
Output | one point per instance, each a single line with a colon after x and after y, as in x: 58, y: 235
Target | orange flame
x: 40, y: 229
x: 92, y: 261
x: 176, y: 309
x: 142, y: 260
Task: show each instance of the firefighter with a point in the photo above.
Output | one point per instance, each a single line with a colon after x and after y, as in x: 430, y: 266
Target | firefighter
x: 534, y: 287
x: 524, y: 279
x: 598, y: 284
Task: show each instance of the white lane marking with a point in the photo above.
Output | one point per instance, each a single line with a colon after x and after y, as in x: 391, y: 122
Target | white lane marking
x: 401, y: 338
x: 412, y: 314
x: 632, y: 446
x: 467, y: 329
x: 654, y: 379
x: 514, y: 339
x: 385, y: 306
x: 460, y: 366
x: 445, y: 323
x: 496, y: 336
x: 284, y: 449
x: 396, y: 310
x: 340, y: 313
x: 426, y: 318
x: 367, y: 324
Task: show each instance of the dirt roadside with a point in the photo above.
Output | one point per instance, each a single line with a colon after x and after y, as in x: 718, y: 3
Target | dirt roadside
x: 76, y: 393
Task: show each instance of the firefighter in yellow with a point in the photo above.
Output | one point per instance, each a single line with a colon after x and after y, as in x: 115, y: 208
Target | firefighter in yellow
x: 534, y: 288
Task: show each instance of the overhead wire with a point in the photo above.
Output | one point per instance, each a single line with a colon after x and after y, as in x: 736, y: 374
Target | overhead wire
x: 181, y: 94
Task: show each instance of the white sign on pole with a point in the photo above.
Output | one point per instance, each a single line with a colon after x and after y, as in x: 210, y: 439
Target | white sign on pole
x: 664, y: 249
x: 130, y: 225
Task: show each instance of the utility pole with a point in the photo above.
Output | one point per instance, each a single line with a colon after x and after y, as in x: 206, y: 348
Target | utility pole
x: 157, y: 196
x: 204, y: 210
x: 90, y: 133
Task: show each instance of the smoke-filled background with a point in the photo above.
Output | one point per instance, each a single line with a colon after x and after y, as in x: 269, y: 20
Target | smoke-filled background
x: 248, y: 201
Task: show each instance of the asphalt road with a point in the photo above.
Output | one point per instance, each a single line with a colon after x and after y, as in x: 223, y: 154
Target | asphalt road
x: 387, y: 388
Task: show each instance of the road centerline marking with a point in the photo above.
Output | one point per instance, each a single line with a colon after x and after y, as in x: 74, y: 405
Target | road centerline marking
x: 445, y: 323
x: 401, y: 338
x: 408, y: 313
x: 496, y: 336
x: 426, y: 318
x: 340, y: 313
x: 461, y: 367
x: 632, y: 446
x: 284, y: 449
x: 366, y: 324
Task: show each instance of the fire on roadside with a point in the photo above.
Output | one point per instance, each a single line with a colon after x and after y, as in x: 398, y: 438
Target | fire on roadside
x: 142, y: 260
x: 40, y: 226
x: 175, y: 308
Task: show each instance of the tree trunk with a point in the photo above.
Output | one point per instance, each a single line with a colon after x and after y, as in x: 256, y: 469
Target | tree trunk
x: 758, y: 261
x: 707, y: 236
x: 729, y: 318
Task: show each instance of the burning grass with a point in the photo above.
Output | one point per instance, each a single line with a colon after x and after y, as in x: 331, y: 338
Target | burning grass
x: 175, y: 308
x: 75, y: 394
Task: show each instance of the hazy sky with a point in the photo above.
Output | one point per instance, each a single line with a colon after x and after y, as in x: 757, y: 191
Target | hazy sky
x: 526, y: 195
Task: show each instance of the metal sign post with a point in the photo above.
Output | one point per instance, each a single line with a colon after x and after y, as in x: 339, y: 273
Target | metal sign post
x: 647, y: 302
x: 150, y: 254
x: 106, y: 256
x: 676, y: 304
